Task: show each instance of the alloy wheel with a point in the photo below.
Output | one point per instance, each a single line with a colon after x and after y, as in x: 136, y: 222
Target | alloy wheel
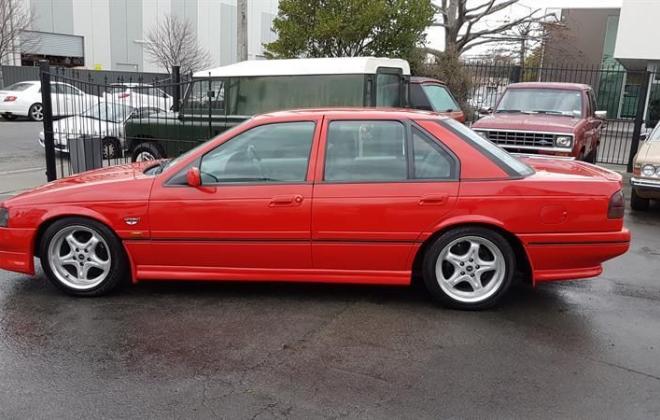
x: 37, y: 112
x: 79, y: 257
x: 470, y: 269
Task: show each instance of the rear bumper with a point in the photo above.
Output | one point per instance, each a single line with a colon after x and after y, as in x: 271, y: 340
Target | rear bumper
x: 568, y: 256
x: 13, y: 108
x: 16, y: 250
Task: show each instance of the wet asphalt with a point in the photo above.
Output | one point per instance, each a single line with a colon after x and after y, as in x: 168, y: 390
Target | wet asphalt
x: 581, y: 349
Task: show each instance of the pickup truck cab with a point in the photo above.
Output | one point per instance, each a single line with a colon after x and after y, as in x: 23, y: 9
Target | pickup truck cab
x: 545, y: 118
x: 223, y: 97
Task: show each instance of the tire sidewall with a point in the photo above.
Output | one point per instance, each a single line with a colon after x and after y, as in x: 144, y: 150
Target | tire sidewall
x: 147, y: 147
x: 433, y: 252
x: 118, y: 265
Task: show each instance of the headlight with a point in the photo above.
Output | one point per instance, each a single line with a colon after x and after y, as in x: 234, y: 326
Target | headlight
x: 648, y: 170
x: 564, y: 141
x: 657, y: 171
x: 483, y: 134
x: 4, y: 217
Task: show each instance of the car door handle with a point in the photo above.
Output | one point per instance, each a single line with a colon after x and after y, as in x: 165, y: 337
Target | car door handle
x: 286, y: 200
x: 434, y: 200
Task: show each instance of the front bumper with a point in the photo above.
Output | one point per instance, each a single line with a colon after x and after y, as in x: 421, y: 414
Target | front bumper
x: 61, y: 143
x: 16, y: 250
x: 568, y: 256
x: 645, y: 184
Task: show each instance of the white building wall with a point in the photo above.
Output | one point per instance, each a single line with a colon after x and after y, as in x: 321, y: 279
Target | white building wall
x: 636, y: 41
x: 215, y: 21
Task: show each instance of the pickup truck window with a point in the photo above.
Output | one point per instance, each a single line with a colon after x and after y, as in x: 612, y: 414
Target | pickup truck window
x: 542, y: 101
x: 440, y: 98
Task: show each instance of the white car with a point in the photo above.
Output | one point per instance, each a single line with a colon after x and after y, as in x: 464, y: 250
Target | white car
x: 138, y: 95
x: 104, y: 120
x: 23, y: 99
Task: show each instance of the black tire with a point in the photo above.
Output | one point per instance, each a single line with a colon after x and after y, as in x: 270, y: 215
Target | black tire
x: 111, y: 148
x: 36, y: 112
x: 638, y: 203
x: 149, y: 149
x: 118, y: 272
x: 591, y: 157
x: 497, y: 290
x: 9, y: 117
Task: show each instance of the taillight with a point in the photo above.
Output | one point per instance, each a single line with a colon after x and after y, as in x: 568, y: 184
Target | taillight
x: 124, y: 95
x: 10, y: 98
x: 617, y: 206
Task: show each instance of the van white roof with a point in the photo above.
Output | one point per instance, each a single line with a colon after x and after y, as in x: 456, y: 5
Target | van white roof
x: 302, y: 66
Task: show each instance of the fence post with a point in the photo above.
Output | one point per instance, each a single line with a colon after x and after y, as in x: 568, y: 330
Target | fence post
x: 514, y: 76
x: 639, y: 119
x: 176, y: 79
x: 49, y: 142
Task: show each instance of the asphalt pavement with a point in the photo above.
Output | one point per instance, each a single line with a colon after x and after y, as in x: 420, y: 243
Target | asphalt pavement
x: 577, y: 349
x: 22, y: 159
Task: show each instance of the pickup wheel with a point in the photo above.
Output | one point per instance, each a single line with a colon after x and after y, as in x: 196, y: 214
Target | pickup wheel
x: 146, y: 151
x: 638, y: 203
x: 469, y: 268
x: 591, y: 157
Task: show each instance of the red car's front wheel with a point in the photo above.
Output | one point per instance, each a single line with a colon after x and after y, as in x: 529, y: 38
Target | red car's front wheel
x: 82, y: 257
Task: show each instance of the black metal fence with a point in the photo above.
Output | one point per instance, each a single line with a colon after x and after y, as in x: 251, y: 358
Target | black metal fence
x: 138, y: 117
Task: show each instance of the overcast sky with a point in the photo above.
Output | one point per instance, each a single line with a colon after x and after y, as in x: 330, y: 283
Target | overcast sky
x: 435, y: 35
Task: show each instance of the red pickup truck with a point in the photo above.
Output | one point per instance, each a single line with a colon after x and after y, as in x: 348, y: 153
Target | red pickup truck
x: 545, y: 118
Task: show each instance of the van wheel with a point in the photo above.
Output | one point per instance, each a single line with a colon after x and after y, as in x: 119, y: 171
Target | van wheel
x: 638, y: 203
x: 469, y: 268
x: 145, y: 152
x: 83, y: 257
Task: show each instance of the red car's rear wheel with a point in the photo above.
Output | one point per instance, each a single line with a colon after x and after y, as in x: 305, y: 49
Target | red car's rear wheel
x: 469, y: 268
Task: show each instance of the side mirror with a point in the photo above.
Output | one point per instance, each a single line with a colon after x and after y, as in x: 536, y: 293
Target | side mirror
x: 644, y: 135
x: 602, y: 115
x: 193, y: 177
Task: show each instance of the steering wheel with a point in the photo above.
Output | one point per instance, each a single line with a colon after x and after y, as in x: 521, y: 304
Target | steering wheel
x: 253, y: 155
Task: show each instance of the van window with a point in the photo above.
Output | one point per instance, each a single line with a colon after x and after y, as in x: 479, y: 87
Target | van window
x: 256, y: 95
x: 198, y: 100
x: 388, y: 90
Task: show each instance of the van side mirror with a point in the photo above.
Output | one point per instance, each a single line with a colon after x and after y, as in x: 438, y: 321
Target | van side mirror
x: 193, y: 177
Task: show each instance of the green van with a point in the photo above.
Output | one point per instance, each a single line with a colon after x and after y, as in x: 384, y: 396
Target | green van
x: 223, y: 97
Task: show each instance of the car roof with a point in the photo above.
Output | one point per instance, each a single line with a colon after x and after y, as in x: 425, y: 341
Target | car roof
x: 422, y: 79
x: 549, y: 85
x: 378, y: 113
x: 306, y: 66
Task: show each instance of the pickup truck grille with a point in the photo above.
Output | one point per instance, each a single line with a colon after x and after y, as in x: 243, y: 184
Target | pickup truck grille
x: 520, y: 138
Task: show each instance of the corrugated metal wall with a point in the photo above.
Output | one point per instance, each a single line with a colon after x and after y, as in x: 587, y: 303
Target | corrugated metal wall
x: 13, y: 74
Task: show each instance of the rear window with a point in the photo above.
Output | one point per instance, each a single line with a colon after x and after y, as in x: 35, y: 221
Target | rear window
x: 508, y: 162
x: 18, y: 87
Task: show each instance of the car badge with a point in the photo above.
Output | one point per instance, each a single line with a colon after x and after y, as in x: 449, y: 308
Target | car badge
x: 131, y: 220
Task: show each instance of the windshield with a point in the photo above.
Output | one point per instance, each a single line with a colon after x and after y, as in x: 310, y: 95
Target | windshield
x: 111, y: 112
x: 440, y: 98
x: 515, y: 165
x: 17, y: 87
x: 542, y: 101
x: 655, y: 134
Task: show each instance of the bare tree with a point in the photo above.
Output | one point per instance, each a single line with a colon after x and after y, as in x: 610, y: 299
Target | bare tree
x: 462, y: 22
x: 15, y: 18
x: 173, y: 42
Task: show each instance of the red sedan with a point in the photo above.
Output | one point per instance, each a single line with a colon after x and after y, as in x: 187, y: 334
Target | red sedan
x: 336, y: 196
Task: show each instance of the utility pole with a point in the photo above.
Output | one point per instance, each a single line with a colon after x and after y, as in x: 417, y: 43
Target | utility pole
x: 242, y: 30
